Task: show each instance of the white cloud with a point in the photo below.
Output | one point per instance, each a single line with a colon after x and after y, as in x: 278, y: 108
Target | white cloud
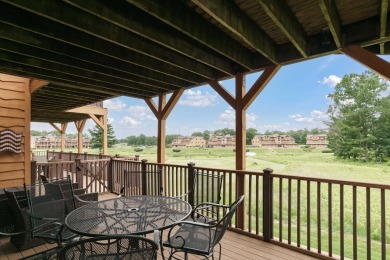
x: 315, y: 119
x: 110, y: 119
x: 115, y: 105
x: 195, y: 98
x: 331, y: 80
x: 140, y: 112
x: 228, y: 118
x: 129, y: 121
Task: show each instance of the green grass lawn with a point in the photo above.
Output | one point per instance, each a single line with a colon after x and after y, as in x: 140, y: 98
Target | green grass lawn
x: 302, y: 163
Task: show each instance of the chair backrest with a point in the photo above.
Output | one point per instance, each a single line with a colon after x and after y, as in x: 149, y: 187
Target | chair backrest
x: 207, y: 187
x: 222, y: 225
x: 44, y: 202
x: 112, y: 247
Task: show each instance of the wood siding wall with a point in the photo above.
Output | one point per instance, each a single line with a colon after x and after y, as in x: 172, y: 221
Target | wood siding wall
x: 15, y: 109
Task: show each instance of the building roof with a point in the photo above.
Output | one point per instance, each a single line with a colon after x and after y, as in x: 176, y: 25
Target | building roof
x: 92, y: 50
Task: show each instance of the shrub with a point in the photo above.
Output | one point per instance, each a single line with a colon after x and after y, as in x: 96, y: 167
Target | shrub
x: 327, y: 151
x: 138, y: 149
x: 176, y: 150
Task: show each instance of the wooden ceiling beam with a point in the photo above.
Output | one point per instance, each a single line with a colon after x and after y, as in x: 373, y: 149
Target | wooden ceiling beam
x: 31, y: 72
x: 330, y: 12
x: 237, y: 22
x: 87, y: 77
x: 369, y: 60
x: 283, y: 17
x: 81, y: 66
x: 123, y: 15
x: 383, y: 23
x: 42, y: 68
x: 179, y: 16
x: 61, y: 13
x: 116, y: 61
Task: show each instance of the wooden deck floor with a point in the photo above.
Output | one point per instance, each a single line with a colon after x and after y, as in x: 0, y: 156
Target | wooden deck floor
x: 234, y: 247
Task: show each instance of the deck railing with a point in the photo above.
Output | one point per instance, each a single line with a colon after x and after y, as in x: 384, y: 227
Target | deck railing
x: 320, y: 217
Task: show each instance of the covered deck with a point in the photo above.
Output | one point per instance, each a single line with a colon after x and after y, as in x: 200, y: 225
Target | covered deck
x: 57, y: 56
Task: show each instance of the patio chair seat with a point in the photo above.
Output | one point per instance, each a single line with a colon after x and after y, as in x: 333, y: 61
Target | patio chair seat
x: 196, y: 239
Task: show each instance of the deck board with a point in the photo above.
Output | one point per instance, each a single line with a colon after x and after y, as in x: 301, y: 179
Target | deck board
x: 234, y: 247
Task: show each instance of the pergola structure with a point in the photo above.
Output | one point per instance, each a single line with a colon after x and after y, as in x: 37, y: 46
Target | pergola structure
x: 79, y: 52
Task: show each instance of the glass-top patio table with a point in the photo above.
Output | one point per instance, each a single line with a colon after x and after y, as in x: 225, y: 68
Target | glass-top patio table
x: 127, y: 215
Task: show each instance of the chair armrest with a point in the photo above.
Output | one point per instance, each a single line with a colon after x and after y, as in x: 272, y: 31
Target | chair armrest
x: 30, y: 214
x: 85, y: 199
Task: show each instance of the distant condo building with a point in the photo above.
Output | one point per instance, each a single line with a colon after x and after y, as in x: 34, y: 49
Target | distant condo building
x: 274, y: 141
x: 221, y: 141
x: 318, y: 141
x: 53, y: 142
x: 193, y: 141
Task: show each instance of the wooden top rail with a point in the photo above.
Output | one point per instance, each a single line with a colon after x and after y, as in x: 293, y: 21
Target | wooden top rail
x: 96, y: 160
x: 351, y: 183
x: 54, y: 162
x: 240, y: 172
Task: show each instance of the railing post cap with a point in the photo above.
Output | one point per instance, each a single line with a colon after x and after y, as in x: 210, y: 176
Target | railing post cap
x: 144, y: 160
x: 268, y: 170
x: 191, y: 164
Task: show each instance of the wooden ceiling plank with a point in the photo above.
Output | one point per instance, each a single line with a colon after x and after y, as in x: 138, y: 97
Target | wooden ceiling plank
x: 223, y: 93
x: 129, y: 18
x: 369, y: 60
x: 37, y: 84
x: 283, y: 17
x: 259, y: 85
x: 383, y: 23
x: 179, y: 16
x: 117, y: 60
x: 330, y: 12
x: 65, y: 14
x: 237, y: 22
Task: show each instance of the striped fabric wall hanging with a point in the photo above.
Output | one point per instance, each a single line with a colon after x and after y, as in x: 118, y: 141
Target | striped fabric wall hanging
x: 10, y: 141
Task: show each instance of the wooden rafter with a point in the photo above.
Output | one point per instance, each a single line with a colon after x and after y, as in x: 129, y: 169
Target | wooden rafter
x: 126, y: 17
x: 383, y: 23
x: 196, y: 27
x: 329, y: 9
x: 58, y: 11
x: 369, y: 60
x: 239, y: 24
x: 283, y: 17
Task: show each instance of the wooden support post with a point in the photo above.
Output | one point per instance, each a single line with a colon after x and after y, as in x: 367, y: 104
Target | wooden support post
x: 34, y: 174
x: 240, y: 103
x: 62, y: 132
x: 162, y: 112
x: 80, y: 127
x: 144, y: 176
x: 79, y: 172
x: 191, y: 180
x: 267, y: 205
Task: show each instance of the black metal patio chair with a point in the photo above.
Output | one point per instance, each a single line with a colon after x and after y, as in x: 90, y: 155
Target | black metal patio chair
x: 206, y: 188
x: 191, y: 237
x: 111, y: 247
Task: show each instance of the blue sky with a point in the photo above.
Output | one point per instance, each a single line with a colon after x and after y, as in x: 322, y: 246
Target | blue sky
x: 295, y: 98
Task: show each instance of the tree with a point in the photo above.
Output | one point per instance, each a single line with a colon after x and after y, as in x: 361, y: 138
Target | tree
x: 97, y: 137
x: 250, y: 134
x: 354, y: 115
x: 197, y: 134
